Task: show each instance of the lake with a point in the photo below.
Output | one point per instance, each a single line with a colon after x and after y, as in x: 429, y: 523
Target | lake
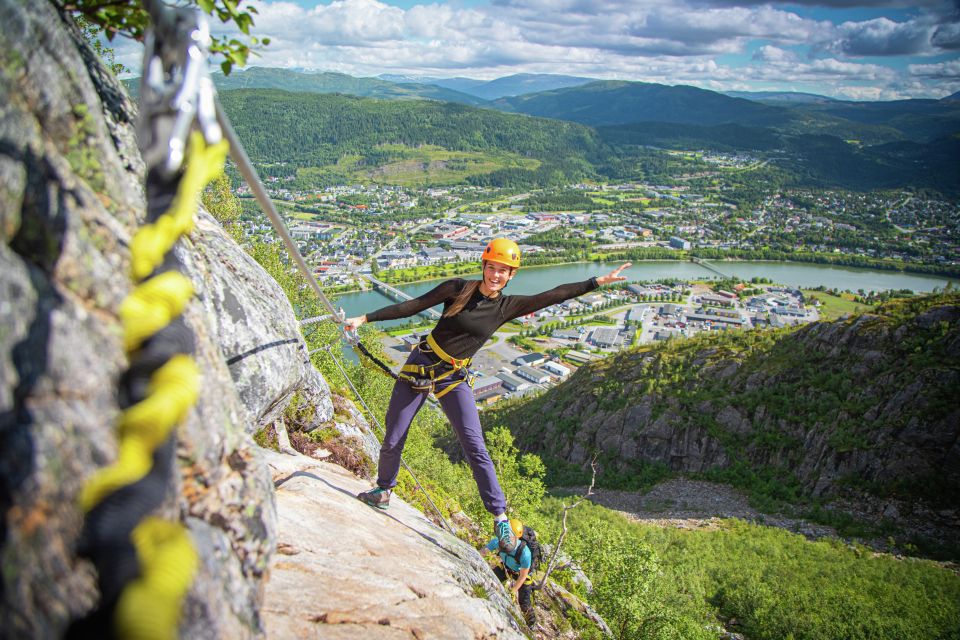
x: 796, y: 274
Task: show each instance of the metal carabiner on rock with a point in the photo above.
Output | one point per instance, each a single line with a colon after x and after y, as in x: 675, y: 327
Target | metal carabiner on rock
x: 176, y: 90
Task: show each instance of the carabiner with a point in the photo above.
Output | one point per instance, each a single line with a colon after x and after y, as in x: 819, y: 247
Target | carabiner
x: 176, y: 90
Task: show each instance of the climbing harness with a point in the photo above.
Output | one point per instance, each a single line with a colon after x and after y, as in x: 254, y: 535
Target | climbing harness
x: 429, y: 376
x: 425, y: 378
x: 145, y: 564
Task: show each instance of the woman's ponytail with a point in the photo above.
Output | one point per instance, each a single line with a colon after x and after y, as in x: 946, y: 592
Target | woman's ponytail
x: 462, y: 298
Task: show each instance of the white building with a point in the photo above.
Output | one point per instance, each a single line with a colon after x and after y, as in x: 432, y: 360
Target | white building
x: 557, y: 369
x: 533, y: 375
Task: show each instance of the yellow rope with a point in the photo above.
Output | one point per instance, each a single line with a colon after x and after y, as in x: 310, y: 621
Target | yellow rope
x: 149, y: 607
x: 152, y: 305
x: 152, y: 242
x: 174, y: 388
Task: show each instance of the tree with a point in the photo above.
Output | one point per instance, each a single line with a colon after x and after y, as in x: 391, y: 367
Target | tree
x: 91, y: 33
x: 130, y: 19
x: 218, y: 199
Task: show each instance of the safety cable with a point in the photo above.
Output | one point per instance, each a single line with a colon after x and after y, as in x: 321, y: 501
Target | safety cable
x: 249, y: 173
x: 383, y: 433
x: 316, y: 319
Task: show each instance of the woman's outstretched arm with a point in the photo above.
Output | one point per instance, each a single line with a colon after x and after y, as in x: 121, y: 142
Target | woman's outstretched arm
x: 522, y: 305
x: 407, y: 308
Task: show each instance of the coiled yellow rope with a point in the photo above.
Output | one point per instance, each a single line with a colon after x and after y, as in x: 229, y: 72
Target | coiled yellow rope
x: 149, y: 606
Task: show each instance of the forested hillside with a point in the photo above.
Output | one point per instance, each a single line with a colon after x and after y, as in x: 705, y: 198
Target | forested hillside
x: 313, y: 130
x: 863, y: 406
x: 331, y: 138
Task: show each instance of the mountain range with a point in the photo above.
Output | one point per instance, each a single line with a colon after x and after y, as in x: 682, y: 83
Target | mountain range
x: 820, y: 141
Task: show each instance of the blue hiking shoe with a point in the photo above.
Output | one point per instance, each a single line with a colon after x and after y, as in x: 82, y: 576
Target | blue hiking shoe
x: 376, y: 497
x: 505, y: 535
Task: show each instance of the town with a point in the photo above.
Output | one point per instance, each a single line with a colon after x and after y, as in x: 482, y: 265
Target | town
x: 362, y: 236
x: 403, y: 234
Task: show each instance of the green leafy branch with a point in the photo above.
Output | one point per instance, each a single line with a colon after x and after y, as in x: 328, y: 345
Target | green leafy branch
x: 130, y: 19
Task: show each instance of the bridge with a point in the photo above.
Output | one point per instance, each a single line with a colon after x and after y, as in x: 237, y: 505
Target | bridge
x: 399, y: 296
x: 706, y: 265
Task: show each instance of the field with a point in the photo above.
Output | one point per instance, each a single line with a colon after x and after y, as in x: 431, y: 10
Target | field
x: 420, y: 166
x: 833, y: 307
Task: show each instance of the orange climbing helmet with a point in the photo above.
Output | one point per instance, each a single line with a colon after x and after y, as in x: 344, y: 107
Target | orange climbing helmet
x: 517, y: 527
x: 503, y: 251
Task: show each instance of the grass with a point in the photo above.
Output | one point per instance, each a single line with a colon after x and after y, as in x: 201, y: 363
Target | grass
x: 769, y: 584
x: 427, y: 165
x: 833, y: 307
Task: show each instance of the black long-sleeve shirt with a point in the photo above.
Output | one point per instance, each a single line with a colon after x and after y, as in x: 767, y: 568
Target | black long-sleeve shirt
x: 462, y: 335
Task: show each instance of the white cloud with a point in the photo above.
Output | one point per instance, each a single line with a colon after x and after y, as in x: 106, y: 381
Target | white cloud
x: 941, y: 71
x: 769, y: 53
x: 699, y: 42
x: 885, y: 37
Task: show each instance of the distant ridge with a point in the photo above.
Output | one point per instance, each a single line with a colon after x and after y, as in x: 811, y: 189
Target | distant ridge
x: 787, y: 97
x: 954, y: 97
x: 514, y: 85
x: 613, y: 102
x: 330, y: 82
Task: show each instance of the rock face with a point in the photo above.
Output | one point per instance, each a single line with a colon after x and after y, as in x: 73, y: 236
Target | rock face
x: 868, y: 402
x: 70, y: 200
x: 345, y: 570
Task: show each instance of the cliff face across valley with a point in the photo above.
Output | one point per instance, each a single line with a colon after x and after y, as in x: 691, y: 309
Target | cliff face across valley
x: 865, y: 405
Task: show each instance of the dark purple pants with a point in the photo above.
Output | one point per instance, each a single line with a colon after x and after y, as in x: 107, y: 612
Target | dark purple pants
x: 461, y: 410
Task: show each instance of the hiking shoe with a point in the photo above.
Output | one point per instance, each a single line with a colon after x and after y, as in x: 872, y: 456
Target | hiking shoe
x: 504, y: 535
x: 376, y: 497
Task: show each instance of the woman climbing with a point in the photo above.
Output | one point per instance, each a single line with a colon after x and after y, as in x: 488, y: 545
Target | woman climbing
x: 472, y: 311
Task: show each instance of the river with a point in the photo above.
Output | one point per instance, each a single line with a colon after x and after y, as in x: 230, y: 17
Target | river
x: 796, y: 274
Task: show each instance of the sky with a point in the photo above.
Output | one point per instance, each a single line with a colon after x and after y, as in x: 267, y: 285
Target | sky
x: 849, y: 49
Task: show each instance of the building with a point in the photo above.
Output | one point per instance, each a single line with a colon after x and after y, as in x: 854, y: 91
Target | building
x: 704, y: 317
x: 792, y: 311
x: 396, y: 260
x: 411, y: 341
x: 670, y: 310
x: 511, y: 382
x: 579, y: 357
x: 529, y: 359
x: 720, y: 301
x: 557, y: 369
x: 679, y: 243
x: 449, y: 231
x: 436, y: 255
x: 636, y: 314
x: 567, y: 334
x: 533, y: 375
x: 606, y: 337
x: 592, y: 300
x: 487, y: 388
x: 312, y: 231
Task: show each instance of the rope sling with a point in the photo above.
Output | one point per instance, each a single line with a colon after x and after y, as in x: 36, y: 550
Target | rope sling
x: 145, y: 564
